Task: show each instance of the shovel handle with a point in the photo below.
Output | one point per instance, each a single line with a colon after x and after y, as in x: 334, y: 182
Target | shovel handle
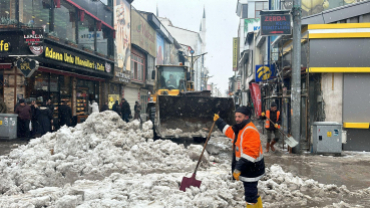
x: 204, y: 148
x: 278, y: 129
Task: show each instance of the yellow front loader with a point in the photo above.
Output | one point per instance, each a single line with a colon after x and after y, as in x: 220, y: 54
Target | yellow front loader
x: 177, y: 111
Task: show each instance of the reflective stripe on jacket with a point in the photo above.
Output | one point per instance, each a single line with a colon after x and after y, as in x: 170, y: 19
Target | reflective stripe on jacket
x: 248, y: 150
x: 267, y: 122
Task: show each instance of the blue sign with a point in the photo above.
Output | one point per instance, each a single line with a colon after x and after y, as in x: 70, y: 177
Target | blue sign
x: 264, y: 72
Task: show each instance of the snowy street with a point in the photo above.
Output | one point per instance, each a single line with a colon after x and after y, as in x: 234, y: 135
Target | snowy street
x: 105, y: 162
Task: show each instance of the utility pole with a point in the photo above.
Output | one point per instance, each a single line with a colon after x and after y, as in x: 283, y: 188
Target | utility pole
x: 296, y: 75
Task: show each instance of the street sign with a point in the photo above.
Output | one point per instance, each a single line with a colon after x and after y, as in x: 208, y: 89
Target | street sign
x: 27, y: 66
x: 275, y: 23
x: 264, y: 72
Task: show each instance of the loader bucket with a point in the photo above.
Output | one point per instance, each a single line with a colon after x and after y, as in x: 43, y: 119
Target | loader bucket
x: 191, y: 115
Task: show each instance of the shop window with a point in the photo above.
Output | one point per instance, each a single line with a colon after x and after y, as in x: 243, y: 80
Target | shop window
x: 86, y: 33
x: 261, y: 6
x: 65, y: 22
x: 7, y: 12
x: 65, y: 83
x: 86, y: 92
x: 54, y: 93
x: 102, y: 40
x: 137, y: 67
x: 38, y: 87
x: 114, y: 95
x: 35, y: 13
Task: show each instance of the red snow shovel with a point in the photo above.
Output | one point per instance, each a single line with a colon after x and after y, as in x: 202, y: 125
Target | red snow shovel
x: 187, y: 182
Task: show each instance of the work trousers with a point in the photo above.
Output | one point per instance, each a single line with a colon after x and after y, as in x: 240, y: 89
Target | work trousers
x: 276, y: 134
x: 250, y: 191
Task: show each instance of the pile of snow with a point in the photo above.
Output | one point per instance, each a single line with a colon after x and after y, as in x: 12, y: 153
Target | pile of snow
x: 105, y: 162
x: 103, y: 144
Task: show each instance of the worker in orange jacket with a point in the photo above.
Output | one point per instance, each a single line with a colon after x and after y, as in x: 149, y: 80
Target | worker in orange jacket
x: 249, y: 166
x: 274, y: 115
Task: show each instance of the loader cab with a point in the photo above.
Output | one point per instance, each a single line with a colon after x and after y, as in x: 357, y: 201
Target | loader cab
x: 171, y: 78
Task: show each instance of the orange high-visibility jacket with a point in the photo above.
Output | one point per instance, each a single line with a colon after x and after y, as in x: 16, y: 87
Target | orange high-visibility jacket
x: 267, y: 122
x: 248, y: 150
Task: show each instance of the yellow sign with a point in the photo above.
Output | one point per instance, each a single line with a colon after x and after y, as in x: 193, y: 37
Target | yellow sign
x: 264, y: 73
x: 235, y: 53
x: 112, y: 98
x: 329, y: 134
x: 70, y: 59
x: 1, y: 122
x: 4, y: 47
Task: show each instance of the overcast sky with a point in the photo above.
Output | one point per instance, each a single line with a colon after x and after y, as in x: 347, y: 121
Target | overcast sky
x: 221, y: 22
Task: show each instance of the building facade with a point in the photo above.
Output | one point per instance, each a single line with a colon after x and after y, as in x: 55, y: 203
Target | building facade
x: 334, y: 74
x: 192, y: 41
x: 71, y: 43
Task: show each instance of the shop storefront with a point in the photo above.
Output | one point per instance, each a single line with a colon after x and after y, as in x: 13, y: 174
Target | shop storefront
x: 114, y: 94
x: 65, y: 53
x: 63, y: 74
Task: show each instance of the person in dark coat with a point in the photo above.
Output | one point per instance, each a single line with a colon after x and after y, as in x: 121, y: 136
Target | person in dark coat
x: 33, y: 118
x: 65, y: 114
x: 44, y: 117
x: 116, y: 108
x: 125, y: 110
x: 105, y: 107
x: 137, y: 110
x: 24, y: 117
x: 50, y: 105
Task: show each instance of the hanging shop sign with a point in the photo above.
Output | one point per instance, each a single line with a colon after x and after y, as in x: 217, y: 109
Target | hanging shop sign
x: 33, y: 37
x: 21, y: 42
x: 58, y: 54
x: 264, y: 72
x: 235, y: 53
x: 27, y: 66
x: 275, y: 23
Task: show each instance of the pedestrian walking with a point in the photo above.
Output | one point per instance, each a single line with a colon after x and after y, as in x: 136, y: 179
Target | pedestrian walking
x: 248, y: 163
x: 65, y: 114
x: 105, y: 107
x: 24, y: 117
x: 274, y: 115
x: 125, y: 110
x: 137, y: 110
x: 44, y: 118
x: 94, y: 107
x: 116, y: 108
x: 3, y: 108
